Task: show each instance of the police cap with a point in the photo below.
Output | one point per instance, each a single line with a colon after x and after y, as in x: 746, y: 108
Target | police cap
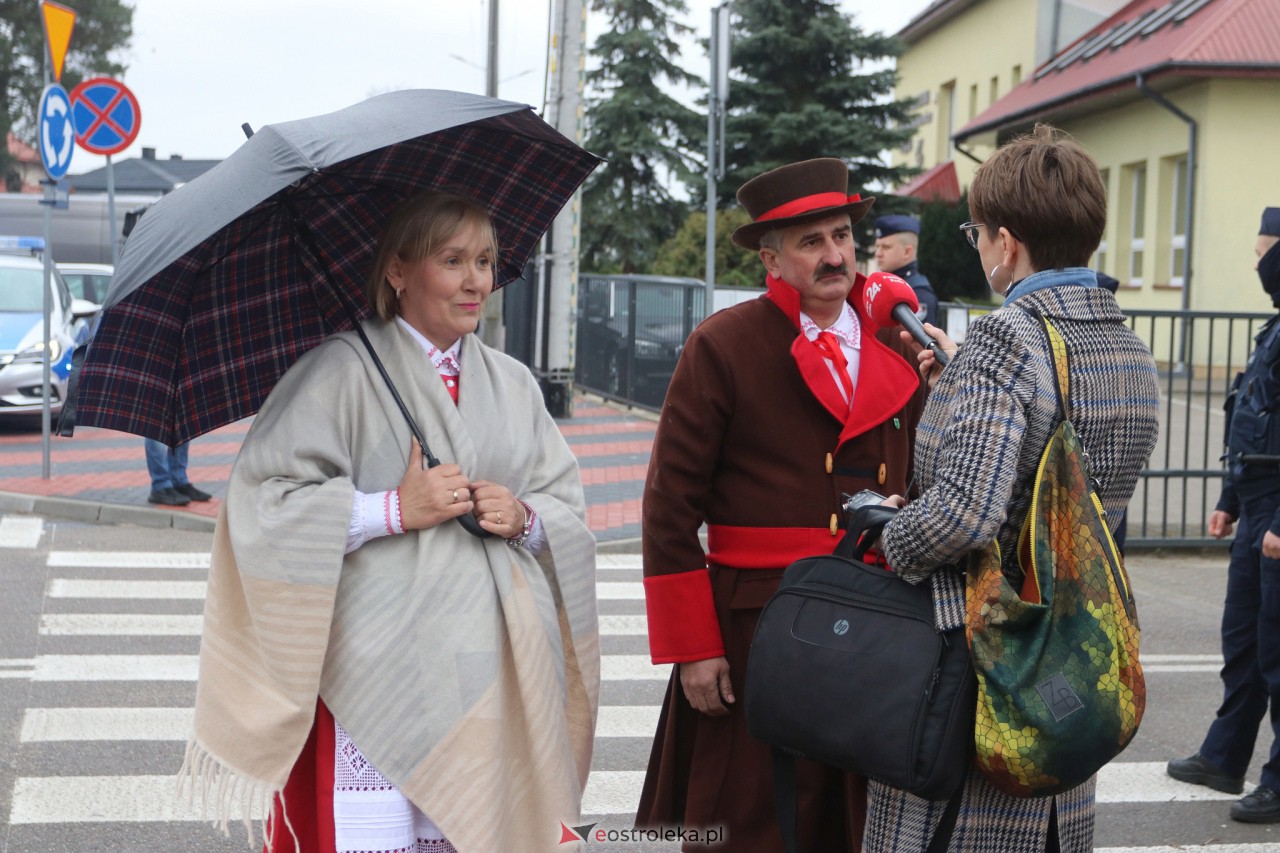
x: 886, y: 225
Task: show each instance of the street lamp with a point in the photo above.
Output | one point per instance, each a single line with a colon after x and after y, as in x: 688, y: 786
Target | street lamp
x: 716, y: 98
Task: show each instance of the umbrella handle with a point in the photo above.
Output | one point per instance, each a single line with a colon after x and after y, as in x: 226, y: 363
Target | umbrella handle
x: 468, y: 521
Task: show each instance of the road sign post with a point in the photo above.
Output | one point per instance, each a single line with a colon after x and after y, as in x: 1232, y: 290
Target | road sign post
x: 107, y: 119
x: 57, y: 143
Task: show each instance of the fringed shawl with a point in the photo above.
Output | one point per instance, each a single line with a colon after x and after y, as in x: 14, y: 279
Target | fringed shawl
x: 466, y: 670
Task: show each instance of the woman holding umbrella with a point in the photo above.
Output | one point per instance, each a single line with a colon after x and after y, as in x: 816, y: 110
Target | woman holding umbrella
x: 388, y: 680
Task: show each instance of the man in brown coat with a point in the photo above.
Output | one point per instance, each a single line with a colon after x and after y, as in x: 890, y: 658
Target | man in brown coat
x: 776, y: 408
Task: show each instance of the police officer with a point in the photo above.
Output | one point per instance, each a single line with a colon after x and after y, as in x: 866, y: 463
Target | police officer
x: 1251, y: 614
x: 897, y: 244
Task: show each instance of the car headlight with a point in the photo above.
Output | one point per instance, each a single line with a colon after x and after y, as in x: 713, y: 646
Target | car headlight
x: 649, y: 349
x: 35, y: 353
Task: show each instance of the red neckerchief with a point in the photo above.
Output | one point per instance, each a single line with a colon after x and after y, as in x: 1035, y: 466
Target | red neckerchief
x: 881, y: 391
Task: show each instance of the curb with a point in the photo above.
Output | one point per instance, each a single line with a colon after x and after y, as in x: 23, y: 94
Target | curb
x: 92, y: 512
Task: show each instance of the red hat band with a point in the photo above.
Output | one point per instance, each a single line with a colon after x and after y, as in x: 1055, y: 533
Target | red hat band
x: 804, y: 204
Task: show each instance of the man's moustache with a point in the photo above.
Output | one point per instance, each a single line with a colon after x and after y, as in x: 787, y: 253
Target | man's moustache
x: 825, y: 270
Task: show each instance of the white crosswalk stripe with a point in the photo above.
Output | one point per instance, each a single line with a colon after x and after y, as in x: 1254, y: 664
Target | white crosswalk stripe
x: 17, y: 531
x: 82, y: 649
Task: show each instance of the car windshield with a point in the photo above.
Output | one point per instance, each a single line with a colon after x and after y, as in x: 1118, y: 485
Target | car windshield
x: 21, y: 289
x: 84, y: 285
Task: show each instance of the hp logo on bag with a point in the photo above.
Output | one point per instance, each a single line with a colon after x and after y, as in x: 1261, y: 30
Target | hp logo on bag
x: 841, y: 627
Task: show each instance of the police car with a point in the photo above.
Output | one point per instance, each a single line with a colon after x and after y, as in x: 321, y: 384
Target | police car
x: 22, y: 285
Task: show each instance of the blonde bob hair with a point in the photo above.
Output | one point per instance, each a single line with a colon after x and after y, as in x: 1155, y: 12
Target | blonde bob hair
x: 418, y: 227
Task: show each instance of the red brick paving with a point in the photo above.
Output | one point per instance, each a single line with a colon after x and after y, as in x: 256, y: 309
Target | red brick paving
x: 72, y: 463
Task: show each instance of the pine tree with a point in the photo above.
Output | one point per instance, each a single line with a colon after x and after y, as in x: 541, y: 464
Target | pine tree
x: 646, y: 136
x: 800, y: 91
x: 685, y: 254
x: 953, y: 267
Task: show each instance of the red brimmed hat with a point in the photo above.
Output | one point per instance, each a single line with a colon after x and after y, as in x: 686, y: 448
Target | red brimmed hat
x: 800, y: 192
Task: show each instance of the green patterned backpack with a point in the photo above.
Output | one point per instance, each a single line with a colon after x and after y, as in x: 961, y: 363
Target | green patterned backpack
x: 1060, y: 689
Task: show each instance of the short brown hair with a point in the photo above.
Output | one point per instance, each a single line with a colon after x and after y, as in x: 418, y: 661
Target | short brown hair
x: 417, y: 227
x: 1047, y: 191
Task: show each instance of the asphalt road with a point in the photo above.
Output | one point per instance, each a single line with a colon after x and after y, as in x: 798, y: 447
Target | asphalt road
x: 98, y: 633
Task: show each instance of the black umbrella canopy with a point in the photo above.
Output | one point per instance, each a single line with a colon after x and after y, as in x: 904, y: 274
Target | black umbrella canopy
x: 228, y: 280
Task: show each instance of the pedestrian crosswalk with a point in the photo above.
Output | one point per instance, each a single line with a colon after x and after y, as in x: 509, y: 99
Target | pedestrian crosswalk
x: 111, y: 685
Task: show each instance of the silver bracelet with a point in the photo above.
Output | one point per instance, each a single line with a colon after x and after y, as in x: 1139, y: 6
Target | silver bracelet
x: 518, y: 541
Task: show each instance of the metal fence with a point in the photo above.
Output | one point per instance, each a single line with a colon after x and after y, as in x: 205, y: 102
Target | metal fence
x: 631, y: 330
x: 1198, y: 353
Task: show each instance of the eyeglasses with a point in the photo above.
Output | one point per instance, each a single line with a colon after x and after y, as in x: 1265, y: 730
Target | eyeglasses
x: 970, y: 230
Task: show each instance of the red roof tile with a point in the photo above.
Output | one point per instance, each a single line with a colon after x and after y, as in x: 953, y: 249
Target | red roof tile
x: 937, y: 184
x: 1150, y: 37
x: 21, y: 151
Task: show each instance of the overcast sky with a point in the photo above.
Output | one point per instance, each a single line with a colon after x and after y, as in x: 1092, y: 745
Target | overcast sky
x: 200, y: 69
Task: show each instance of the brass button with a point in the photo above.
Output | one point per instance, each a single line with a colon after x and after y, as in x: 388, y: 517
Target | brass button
x: 829, y: 465
x: 883, y: 474
x: 834, y: 524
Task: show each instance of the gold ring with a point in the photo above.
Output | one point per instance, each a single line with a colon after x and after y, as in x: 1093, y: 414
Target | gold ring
x: 499, y: 518
x: 455, y: 496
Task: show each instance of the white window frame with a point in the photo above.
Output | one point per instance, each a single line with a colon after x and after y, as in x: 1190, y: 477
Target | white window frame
x: 1137, y: 214
x: 1178, y: 237
x: 1100, y: 254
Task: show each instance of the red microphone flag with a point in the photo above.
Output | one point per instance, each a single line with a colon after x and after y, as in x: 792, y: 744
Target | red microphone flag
x: 882, y: 293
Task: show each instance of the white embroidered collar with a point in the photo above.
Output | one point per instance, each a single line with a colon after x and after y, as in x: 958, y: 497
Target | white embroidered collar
x: 447, y: 362
x: 846, y: 328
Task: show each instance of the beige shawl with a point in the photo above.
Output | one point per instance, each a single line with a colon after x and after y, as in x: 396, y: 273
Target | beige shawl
x: 466, y: 670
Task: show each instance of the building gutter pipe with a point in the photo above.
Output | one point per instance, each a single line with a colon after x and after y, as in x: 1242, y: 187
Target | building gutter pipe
x: 966, y: 153
x: 1192, y: 130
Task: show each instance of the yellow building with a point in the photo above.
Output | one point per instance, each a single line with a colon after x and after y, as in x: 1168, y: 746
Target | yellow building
x: 1177, y: 100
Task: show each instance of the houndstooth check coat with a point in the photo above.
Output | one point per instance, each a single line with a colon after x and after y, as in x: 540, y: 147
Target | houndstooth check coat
x: 979, y: 442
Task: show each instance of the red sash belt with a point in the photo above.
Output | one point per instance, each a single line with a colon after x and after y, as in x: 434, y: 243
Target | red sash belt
x: 766, y: 547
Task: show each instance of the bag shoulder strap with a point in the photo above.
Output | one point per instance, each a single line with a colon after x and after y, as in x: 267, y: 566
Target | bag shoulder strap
x: 785, y: 797
x: 1061, y: 361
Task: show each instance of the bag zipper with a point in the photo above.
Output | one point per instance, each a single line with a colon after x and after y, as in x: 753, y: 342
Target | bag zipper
x: 869, y: 602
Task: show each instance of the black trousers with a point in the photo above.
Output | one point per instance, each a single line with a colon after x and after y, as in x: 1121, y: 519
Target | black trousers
x: 1250, y: 650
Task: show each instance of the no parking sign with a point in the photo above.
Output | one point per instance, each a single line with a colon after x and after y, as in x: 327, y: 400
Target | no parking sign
x: 105, y: 114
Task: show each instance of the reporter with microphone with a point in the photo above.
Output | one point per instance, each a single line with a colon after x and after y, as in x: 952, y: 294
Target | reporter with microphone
x: 1039, y: 211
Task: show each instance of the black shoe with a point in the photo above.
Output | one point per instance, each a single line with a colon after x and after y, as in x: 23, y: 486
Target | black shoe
x: 1261, y: 805
x: 193, y: 493
x: 1198, y: 771
x: 168, y: 497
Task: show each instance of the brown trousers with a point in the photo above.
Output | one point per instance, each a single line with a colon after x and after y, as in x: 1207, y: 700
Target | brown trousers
x: 709, y: 774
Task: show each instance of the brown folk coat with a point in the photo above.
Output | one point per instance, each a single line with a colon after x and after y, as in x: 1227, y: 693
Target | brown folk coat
x: 745, y: 445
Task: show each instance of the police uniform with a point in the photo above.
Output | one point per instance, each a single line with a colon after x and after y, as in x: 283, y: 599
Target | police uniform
x: 1251, y: 614
x: 895, y: 224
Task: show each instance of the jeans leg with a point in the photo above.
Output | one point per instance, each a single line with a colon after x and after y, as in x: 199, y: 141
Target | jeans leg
x: 158, y: 464
x: 178, y: 464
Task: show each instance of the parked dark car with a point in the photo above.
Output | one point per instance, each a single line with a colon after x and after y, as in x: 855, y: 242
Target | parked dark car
x: 631, y: 330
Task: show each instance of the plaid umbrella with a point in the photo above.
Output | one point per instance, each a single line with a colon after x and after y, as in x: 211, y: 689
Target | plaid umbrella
x: 226, y: 281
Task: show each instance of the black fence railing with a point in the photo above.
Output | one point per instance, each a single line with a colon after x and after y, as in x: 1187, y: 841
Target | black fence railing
x: 631, y: 330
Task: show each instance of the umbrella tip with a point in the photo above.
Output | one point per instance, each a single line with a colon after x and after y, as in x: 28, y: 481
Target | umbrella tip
x: 248, y: 131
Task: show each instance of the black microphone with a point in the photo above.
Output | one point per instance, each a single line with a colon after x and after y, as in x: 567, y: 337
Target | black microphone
x: 889, y: 300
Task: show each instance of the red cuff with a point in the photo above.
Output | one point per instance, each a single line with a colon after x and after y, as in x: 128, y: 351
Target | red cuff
x: 682, y: 617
